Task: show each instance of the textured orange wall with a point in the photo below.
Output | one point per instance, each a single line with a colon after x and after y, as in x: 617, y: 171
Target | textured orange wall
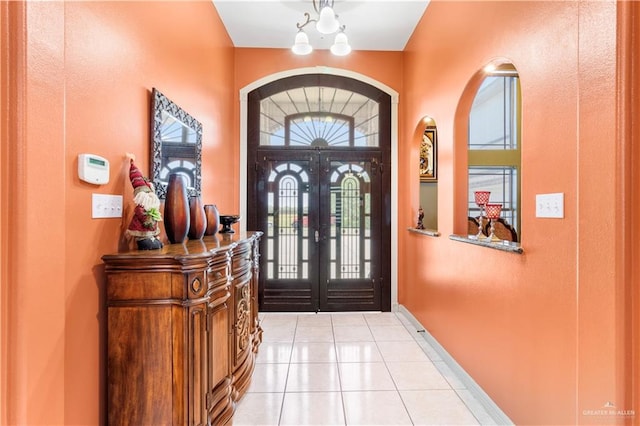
x: 254, y: 64
x: 35, y: 275
x: 631, y: 154
x: 526, y: 327
x: 88, y: 77
x: 634, y: 206
x: 544, y: 332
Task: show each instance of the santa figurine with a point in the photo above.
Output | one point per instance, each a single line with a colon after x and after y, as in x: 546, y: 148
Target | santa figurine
x: 144, y: 223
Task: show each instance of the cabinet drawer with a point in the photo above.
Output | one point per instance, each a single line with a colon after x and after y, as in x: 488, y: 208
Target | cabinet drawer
x: 217, y: 275
x: 138, y: 286
x: 241, y: 259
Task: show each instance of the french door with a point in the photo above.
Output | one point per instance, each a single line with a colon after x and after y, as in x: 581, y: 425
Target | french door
x: 317, y: 145
x: 321, y: 211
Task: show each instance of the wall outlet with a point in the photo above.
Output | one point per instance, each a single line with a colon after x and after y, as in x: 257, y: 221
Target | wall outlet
x: 550, y: 205
x: 105, y: 205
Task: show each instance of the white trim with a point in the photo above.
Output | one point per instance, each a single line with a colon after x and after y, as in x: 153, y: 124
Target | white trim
x: 394, y: 150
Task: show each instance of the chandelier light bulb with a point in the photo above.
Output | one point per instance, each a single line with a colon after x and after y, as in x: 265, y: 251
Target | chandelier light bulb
x: 301, y: 44
x: 341, y: 45
x: 327, y: 23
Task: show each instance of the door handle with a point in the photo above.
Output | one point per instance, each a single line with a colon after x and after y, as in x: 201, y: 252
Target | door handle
x: 317, y: 234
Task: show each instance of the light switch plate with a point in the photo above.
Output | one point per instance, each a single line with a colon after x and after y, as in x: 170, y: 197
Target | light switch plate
x: 106, y: 205
x: 550, y: 205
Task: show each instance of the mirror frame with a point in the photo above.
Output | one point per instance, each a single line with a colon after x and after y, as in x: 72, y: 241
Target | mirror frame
x: 159, y: 104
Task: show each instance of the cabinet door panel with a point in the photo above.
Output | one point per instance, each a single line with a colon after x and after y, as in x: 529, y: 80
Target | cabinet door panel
x: 218, y: 346
x: 139, y: 346
x: 197, y: 365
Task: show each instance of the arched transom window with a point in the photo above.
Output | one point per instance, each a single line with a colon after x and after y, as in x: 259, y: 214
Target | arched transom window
x: 319, y: 117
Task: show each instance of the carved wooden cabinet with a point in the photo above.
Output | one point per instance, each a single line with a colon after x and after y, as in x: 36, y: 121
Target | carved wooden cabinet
x: 182, y: 331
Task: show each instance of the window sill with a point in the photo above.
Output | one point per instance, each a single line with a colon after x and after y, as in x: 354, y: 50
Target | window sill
x: 497, y: 245
x: 427, y: 232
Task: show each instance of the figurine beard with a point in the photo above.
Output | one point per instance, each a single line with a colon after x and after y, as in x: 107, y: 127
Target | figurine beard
x: 147, y: 199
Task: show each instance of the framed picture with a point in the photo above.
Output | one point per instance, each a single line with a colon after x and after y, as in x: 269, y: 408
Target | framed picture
x: 429, y: 155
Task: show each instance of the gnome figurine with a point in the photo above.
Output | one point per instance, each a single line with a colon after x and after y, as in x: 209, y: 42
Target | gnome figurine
x: 144, y: 223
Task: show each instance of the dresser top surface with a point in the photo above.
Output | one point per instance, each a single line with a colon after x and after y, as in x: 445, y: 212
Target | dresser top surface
x: 207, y: 246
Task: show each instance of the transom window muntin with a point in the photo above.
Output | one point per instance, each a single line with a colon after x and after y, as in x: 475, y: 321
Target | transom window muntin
x: 304, y: 116
x: 319, y: 129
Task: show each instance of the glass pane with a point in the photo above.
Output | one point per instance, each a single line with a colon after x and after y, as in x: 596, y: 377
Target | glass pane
x: 319, y: 115
x: 493, y: 116
x: 349, y: 247
x: 287, y: 235
x: 323, y: 131
x: 502, y: 182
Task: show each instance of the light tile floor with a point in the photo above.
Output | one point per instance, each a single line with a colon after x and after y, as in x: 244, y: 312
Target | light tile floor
x: 352, y: 369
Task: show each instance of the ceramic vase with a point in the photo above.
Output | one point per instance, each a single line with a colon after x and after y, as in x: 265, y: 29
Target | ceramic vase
x: 198, y: 219
x: 213, y: 219
x: 176, y: 209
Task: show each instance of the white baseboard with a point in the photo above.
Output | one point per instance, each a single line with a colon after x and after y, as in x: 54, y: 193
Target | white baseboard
x: 498, y: 416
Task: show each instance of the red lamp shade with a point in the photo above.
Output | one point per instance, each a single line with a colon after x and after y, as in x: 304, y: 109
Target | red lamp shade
x: 493, y: 210
x: 481, y: 197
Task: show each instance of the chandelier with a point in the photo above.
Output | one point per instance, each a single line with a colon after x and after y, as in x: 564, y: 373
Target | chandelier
x: 326, y: 23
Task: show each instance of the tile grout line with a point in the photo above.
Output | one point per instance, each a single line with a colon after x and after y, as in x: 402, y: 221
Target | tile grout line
x: 335, y: 351
x: 286, y: 380
x: 384, y: 360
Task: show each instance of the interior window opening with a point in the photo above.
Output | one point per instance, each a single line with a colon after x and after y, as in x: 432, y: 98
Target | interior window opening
x: 494, y: 156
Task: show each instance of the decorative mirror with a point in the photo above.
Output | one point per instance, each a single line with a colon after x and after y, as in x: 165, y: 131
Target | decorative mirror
x: 176, y: 140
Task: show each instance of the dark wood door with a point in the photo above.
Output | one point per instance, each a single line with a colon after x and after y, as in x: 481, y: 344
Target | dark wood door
x: 316, y: 149
x: 321, y: 211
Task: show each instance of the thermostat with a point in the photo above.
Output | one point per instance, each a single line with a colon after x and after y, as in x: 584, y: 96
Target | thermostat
x: 93, y: 169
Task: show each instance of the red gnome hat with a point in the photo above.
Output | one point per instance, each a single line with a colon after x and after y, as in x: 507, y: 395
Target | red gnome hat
x: 137, y: 180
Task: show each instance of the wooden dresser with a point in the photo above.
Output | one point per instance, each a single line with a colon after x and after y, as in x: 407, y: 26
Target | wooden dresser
x: 182, y: 331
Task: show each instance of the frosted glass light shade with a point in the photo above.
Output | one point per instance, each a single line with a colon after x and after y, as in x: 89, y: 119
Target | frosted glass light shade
x: 327, y: 23
x: 341, y: 45
x: 301, y: 44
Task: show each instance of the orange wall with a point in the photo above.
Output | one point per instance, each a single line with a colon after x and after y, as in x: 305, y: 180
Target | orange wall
x: 254, y: 64
x: 634, y: 205
x: 544, y: 333
x: 90, y: 68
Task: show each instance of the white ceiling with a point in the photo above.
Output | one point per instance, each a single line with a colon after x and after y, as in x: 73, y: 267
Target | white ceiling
x: 370, y: 24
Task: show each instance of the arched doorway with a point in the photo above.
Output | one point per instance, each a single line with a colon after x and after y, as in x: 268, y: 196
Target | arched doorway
x: 317, y: 147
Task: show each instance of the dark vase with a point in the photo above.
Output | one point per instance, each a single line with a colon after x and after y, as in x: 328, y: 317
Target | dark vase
x: 213, y: 219
x: 176, y: 209
x: 198, y: 219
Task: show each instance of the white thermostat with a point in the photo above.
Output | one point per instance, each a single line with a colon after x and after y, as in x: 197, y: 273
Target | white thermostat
x: 93, y: 169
